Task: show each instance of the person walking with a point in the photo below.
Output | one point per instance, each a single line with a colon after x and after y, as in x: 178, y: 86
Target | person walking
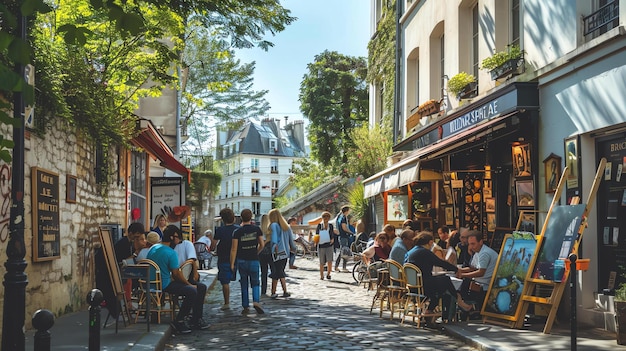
x: 325, y: 244
x: 265, y: 255
x: 246, y: 245
x: 223, y: 240
x: 282, y: 240
x: 344, y: 237
x: 292, y: 255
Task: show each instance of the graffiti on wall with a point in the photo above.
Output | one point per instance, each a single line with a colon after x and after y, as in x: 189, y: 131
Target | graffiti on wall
x: 5, y: 201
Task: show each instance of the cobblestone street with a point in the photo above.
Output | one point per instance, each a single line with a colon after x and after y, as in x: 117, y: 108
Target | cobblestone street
x: 319, y: 315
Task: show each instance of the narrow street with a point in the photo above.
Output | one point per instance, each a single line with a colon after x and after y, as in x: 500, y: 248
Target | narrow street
x: 319, y: 315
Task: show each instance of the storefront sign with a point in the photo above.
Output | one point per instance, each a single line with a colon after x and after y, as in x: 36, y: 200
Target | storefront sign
x: 45, y: 209
x: 485, y: 112
x: 166, y: 194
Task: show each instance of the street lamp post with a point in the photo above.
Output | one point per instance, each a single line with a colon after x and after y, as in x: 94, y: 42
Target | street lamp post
x: 15, y: 279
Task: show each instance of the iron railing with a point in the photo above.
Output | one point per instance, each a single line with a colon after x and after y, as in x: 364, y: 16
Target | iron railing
x: 599, y: 20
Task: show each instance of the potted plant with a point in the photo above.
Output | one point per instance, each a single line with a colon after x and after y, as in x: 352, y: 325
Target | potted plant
x: 505, y: 62
x: 462, y: 85
x: 619, y: 302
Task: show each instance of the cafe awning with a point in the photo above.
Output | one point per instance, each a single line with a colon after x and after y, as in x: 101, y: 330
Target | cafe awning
x: 408, y: 170
x: 152, y: 142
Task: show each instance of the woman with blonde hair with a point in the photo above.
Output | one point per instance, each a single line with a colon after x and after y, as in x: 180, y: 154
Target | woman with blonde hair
x: 282, y: 240
x: 265, y: 256
x: 159, y: 225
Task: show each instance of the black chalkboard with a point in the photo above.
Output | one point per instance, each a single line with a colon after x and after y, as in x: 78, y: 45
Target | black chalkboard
x: 45, y: 210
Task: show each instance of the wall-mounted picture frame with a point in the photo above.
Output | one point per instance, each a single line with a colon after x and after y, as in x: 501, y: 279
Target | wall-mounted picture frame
x: 526, y: 221
x: 70, y: 189
x: 522, y: 161
x: 490, y: 204
x: 491, y: 222
x: 449, y: 212
x: 525, y: 191
x: 552, y: 167
x: 448, y: 191
x: 571, y: 161
x: 397, y: 207
x: 487, y: 193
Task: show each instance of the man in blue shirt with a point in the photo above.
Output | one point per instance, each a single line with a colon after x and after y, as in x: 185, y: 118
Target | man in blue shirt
x: 174, y: 282
x: 401, y: 245
x: 344, y: 236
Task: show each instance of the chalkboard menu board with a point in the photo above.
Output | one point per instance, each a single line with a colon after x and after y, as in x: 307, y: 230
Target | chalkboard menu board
x: 45, y: 209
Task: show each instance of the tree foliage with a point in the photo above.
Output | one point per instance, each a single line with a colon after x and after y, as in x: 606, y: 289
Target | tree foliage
x: 334, y: 97
x: 382, y: 56
x: 371, y: 148
x: 216, y: 86
x: 101, y: 56
x: 309, y: 174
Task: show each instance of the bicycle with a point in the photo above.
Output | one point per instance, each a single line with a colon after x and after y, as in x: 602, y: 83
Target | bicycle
x: 305, y: 247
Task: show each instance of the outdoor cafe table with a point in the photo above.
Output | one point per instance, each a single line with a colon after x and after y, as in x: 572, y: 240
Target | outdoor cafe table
x: 139, y: 272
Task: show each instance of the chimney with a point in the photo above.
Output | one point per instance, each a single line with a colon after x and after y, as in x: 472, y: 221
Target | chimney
x: 298, y: 133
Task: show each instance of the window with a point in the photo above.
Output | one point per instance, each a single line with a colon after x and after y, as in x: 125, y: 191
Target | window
x: 273, y: 145
x: 255, y: 187
x: 226, y: 188
x: 475, y: 65
x: 442, y: 62
x: 274, y: 163
x: 254, y: 165
x: 515, y: 23
x: 138, y: 184
x: 232, y: 187
x: 256, y: 208
x: 274, y: 186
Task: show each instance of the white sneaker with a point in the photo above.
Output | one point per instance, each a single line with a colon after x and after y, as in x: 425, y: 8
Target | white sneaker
x: 225, y: 307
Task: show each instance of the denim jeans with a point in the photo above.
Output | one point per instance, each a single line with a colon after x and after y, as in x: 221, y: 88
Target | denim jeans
x: 249, y: 273
x: 193, y: 298
x: 343, y: 242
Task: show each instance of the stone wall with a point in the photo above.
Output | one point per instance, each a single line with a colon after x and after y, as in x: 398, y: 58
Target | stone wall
x: 61, y: 285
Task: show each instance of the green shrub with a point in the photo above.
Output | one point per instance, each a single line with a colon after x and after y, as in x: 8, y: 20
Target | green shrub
x: 460, y: 81
x: 499, y: 58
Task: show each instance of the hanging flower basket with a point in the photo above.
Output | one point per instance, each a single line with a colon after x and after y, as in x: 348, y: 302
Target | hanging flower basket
x: 504, y: 63
x: 510, y: 67
x: 429, y: 107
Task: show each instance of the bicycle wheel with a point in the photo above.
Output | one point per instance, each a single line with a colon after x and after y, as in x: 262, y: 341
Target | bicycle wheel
x: 300, y: 250
x: 358, y: 272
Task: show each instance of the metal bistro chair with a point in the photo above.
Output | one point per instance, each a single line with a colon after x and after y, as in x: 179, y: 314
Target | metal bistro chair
x: 203, y: 254
x: 416, y: 302
x: 382, y: 281
x: 396, y: 290
x: 161, y: 302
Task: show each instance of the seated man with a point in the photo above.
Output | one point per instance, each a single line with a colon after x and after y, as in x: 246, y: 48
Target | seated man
x: 402, y: 246
x: 193, y: 295
x: 185, y: 251
x: 477, y: 276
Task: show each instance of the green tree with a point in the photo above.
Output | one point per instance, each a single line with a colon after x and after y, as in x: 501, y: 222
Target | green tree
x: 371, y: 148
x: 216, y: 86
x: 334, y: 97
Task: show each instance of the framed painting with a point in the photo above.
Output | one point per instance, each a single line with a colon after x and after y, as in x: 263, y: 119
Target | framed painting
x: 507, y: 282
x: 525, y: 191
x: 449, y: 212
x: 490, y: 205
x: 552, y: 168
x: 448, y: 191
x: 521, y: 160
x: 571, y: 161
x: 70, y: 191
x: 491, y: 222
x: 397, y: 207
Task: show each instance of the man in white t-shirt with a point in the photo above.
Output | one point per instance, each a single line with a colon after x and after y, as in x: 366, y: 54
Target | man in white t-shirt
x: 477, y: 276
x: 184, y: 250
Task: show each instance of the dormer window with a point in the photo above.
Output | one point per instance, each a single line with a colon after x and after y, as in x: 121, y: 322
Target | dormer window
x: 273, y: 145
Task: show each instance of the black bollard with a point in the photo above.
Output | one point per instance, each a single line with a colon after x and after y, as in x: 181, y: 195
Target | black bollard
x: 572, y: 285
x: 42, y: 320
x: 94, y: 299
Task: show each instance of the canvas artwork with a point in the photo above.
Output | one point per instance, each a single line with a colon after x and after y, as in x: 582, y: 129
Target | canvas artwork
x: 397, y: 207
x: 507, y: 284
x: 560, y: 233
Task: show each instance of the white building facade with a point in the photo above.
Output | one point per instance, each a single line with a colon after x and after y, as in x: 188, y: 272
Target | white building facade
x: 256, y: 161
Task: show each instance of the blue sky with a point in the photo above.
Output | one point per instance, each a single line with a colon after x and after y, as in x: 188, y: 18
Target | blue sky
x: 336, y: 25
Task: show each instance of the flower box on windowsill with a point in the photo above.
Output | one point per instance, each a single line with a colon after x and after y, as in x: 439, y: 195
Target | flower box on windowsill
x: 429, y: 107
x: 510, y: 67
x: 470, y: 91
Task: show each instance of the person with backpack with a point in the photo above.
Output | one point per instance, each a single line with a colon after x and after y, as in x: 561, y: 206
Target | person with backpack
x: 282, y: 241
x: 344, y: 237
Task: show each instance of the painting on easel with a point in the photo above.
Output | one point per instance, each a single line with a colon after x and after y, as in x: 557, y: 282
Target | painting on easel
x: 560, y: 234
x: 507, y: 284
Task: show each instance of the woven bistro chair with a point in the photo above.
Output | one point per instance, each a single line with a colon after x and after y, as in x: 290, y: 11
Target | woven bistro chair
x: 160, y: 301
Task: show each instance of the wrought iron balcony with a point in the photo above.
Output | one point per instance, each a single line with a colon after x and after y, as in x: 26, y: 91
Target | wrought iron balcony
x: 600, y: 21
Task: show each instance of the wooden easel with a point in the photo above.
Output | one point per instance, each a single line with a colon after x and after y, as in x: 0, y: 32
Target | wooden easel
x: 531, y: 284
x: 114, y: 274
